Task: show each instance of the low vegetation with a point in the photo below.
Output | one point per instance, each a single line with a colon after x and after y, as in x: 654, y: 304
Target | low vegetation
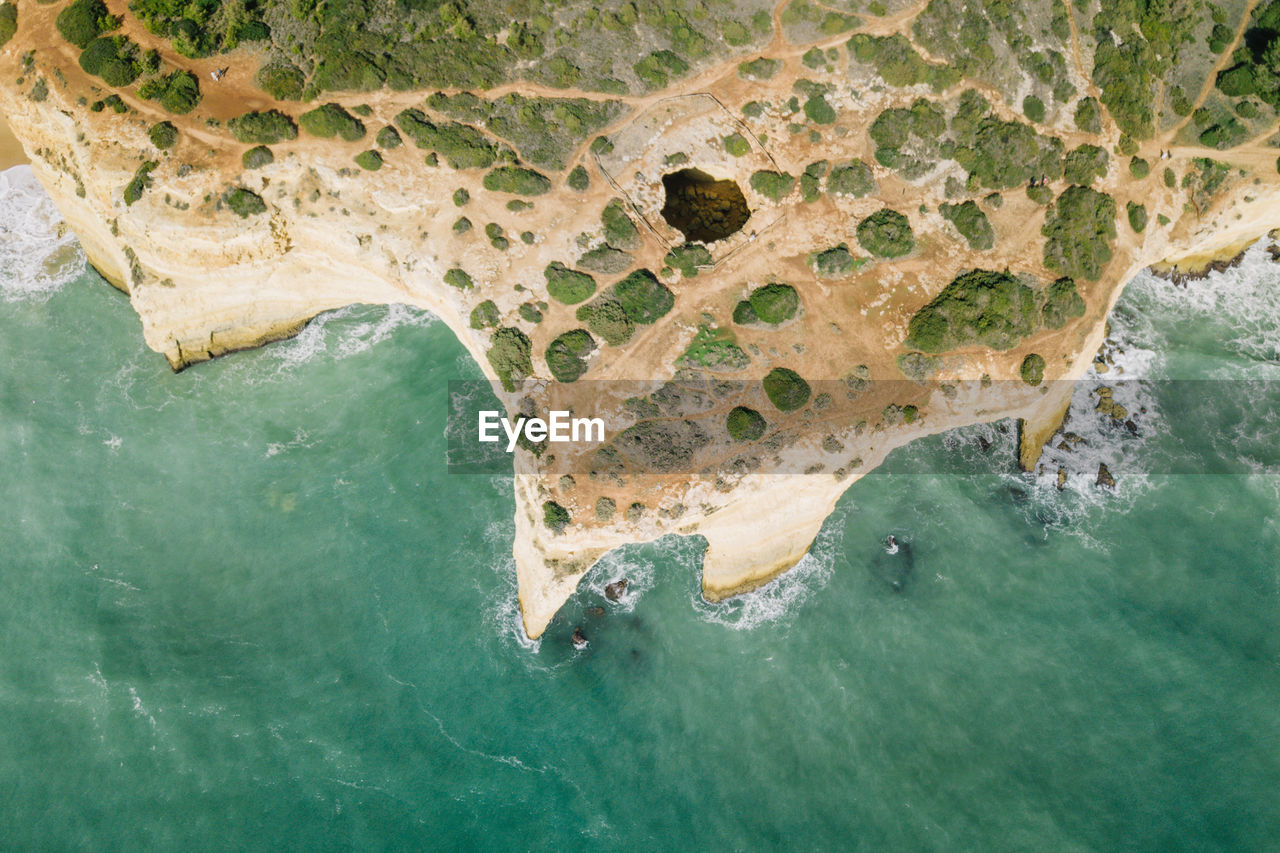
x: 745, y: 424
x: 886, y: 234
x: 568, y: 286
x: 163, y: 135
x: 263, y: 128
x: 1032, y: 369
x: 773, y: 185
x: 462, y: 146
x: 510, y: 356
x: 972, y: 224
x: 566, y: 355
x: 786, y: 389
x: 517, y: 180
x: 1079, y: 228
x: 329, y: 120
x: 245, y: 203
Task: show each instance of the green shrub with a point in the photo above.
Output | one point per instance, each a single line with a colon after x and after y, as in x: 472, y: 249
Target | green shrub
x: 179, y: 92
x: 1033, y: 108
x: 745, y: 424
x: 1079, y: 226
x: 517, y: 180
x: 163, y: 135
x: 898, y: 63
x: 1227, y: 133
x: 759, y: 69
x: 1220, y: 38
x: 607, y: 318
x: 485, y: 315
x: 606, y: 260
x: 114, y: 59
x: 497, y: 237
x: 772, y: 185
x: 459, y: 278
x: 818, y: 111
x: 462, y: 225
x: 1237, y: 81
x: 737, y: 145
x: 370, y: 161
x: 619, y: 231
x: 245, y: 203
x: 1061, y: 303
x: 568, y: 286
x: 1139, y: 168
x: 1084, y: 164
x: 1032, y: 369
x: 687, y: 258
x: 141, y: 180
x: 1088, y: 115
x: 774, y: 303
x: 555, y: 517
x: 8, y: 22
x: 388, y: 138
x: 886, y: 234
x: 1137, y: 214
x: 836, y: 262
x: 510, y: 355
x: 462, y: 146
x: 714, y: 349
x: 972, y: 224
x: 566, y: 355
x: 530, y: 313
x: 853, y: 179
x: 993, y: 309
x: 644, y: 299
x: 785, y: 389
x: 257, y: 157
x: 263, y: 128
x: 83, y: 21
x: 656, y: 69
x: 329, y: 120
x: 281, y: 80
x: 578, y: 179
x: 744, y: 314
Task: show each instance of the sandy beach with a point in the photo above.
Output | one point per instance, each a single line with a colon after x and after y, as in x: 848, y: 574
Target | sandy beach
x: 11, y: 153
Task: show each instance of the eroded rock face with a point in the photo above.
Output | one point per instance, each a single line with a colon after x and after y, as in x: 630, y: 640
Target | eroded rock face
x: 702, y: 208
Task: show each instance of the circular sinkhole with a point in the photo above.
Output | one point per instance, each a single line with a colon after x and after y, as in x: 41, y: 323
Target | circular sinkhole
x: 703, y: 208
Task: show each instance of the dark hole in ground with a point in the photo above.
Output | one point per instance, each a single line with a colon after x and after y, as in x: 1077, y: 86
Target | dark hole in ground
x: 702, y: 208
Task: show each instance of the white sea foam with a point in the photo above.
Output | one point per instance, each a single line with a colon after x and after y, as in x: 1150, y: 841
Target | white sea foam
x: 38, y: 255
x: 333, y: 334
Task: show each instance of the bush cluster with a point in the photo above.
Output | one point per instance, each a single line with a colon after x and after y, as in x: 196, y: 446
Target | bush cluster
x: 972, y: 224
x: 619, y: 231
x: 886, y: 234
x: 510, y: 356
x: 113, y: 58
x: 898, y: 63
x: 8, y: 22
x: 281, y: 80
x: 257, y: 157
x: 993, y: 309
x: 83, y: 21
x: 517, y: 180
x: 163, y: 135
x: 745, y: 424
x: 786, y: 389
x: 329, y: 120
x: 245, y: 203
x: 773, y: 185
x: 462, y: 146
x: 263, y: 128
x: 568, y: 286
x: 853, y: 179
x: 1079, y: 228
x: 567, y: 354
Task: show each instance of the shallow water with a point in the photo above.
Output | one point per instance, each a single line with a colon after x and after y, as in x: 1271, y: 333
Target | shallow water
x: 246, y: 607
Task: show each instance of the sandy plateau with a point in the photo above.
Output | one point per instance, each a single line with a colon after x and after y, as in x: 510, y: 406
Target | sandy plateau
x: 206, y: 282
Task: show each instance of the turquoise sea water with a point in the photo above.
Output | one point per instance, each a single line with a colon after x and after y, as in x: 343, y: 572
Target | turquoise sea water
x: 245, y: 607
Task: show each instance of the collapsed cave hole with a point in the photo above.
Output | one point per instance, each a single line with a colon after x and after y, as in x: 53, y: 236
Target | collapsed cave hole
x: 703, y: 208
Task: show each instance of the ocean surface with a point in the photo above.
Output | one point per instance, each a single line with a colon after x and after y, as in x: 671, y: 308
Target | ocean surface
x: 245, y: 607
